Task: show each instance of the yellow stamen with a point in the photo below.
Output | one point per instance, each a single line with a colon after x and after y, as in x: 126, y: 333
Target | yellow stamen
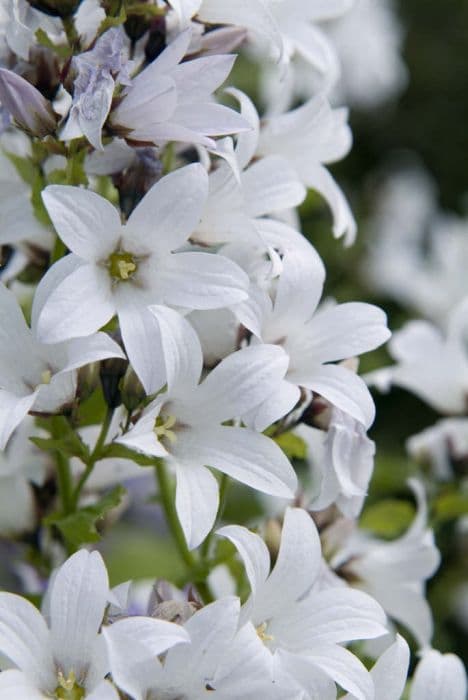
x: 122, y: 265
x: 162, y: 427
x: 68, y: 688
x: 261, y: 631
x: 46, y: 376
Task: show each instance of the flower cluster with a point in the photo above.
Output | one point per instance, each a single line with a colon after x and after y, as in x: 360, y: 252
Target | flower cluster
x: 164, y: 315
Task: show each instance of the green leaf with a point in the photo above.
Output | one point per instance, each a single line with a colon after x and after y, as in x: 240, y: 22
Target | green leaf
x: 81, y: 527
x: 450, y: 506
x: 121, y: 452
x: 64, y: 439
x: 388, y: 518
x: 292, y: 445
x: 109, y: 22
x: 62, y: 50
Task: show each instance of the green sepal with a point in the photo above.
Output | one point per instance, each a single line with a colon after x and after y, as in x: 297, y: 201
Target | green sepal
x: 293, y: 446
x: 388, y: 518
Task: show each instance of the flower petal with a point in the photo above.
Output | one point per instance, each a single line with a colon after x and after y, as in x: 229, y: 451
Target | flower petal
x: 15, y: 685
x: 163, y: 221
x: 78, y: 306
x: 12, y: 411
x: 78, y: 599
x: 88, y: 224
x: 25, y: 640
x: 253, y: 551
x: 181, y: 349
x: 249, y: 457
x: 142, y: 341
x: 82, y: 351
x: 439, y: 677
x: 197, y: 501
x: 203, y: 281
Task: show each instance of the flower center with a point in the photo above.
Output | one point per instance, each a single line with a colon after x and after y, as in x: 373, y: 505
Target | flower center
x: 46, y: 376
x: 122, y: 265
x: 261, y: 630
x: 162, y: 427
x: 68, y: 688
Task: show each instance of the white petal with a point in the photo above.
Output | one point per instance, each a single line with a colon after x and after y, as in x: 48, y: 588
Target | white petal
x: 181, y: 348
x: 82, y: 351
x: 79, y: 306
x: 24, y: 640
x: 203, y: 281
x: 337, y: 615
x: 344, y: 668
x: 439, y: 677
x: 300, y: 285
x: 278, y: 404
x: 341, y: 387
x: 197, y: 79
x: 210, y: 119
x: 54, y: 276
x: 271, y: 185
x: 12, y: 411
x: 77, y: 603
x: 169, y: 213
x: 249, y: 457
x: 247, y: 141
x: 297, y: 565
x: 344, y: 224
x: 142, y: 341
x: 156, y: 635
x: 289, y: 666
x: 142, y: 436
x: 251, y: 14
x: 15, y: 685
x: 88, y: 224
x: 347, y: 330
x: 197, y: 501
x: 240, y: 382
x: 104, y: 691
x: 132, y: 669
x: 408, y: 607
x: 253, y: 551
x: 390, y: 671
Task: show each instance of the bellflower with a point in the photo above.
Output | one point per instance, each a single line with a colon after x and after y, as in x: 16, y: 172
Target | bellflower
x: 314, y: 338
x: 116, y: 269
x: 173, y: 101
x: 27, y: 106
x: 439, y: 677
x: 308, y: 138
x: 303, y: 628
x: 186, y: 424
x: 35, y: 376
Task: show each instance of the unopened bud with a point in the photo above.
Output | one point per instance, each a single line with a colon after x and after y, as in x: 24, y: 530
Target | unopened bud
x: 56, y: 8
x: 88, y: 379
x: 272, y: 536
x: 27, y: 106
x: 131, y: 390
x: 112, y: 371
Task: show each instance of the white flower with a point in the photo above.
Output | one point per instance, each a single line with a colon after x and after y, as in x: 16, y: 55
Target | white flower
x: 184, y: 424
x: 372, y: 70
x: 390, y: 671
x: 21, y: 465
x: 439, y: 444
x: 21, y: 26
x: 35, y: 376
x: 62, y: 650
x: 341, y: 461
x: 219, y: 660
x: 431, y: 364
x: 173, y: 101
x: 313, y: 339
x: 439, y: 677
x: 310, y: 137
x: 117, y: 269
x: 240, y: 197
x: 304, y: 628
x: 19, y: 223
x: 394, y: 573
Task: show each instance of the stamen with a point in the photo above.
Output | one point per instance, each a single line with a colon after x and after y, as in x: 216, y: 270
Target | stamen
x: 122, y: 265
x: 162, y: 427
x: 261, y: 631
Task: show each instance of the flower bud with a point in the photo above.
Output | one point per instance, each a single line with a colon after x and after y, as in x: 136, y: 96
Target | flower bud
x: 112, y: 371
x: 88, y: 379
x: 56, y: 8
x: 32, y: 112
x: 131, y: 390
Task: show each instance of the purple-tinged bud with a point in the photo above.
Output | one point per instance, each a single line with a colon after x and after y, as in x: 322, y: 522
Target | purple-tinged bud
x: 56, y: 8
x: 31, y: 111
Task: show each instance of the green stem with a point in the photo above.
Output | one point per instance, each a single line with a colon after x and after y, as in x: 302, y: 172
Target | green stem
x: 70, y: 30
x: 168, y: 503
x: 65, y: 484
x: 223, y: 488
x: 94, y: 457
